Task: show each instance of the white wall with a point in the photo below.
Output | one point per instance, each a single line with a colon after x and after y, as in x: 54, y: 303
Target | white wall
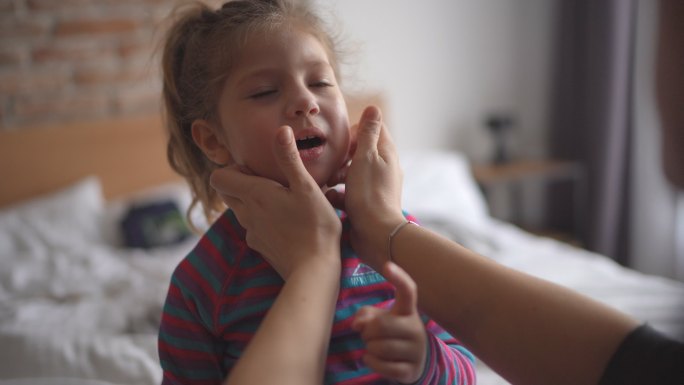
x: 442, y: 65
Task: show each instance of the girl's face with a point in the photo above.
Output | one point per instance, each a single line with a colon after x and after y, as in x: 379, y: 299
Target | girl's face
x: 284, y: 78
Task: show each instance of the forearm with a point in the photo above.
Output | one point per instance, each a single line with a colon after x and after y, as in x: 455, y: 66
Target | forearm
x: 528, y: 330
x: 291, y: 344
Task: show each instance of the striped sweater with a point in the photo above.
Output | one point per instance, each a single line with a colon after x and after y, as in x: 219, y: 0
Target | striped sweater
x: 221, y: 291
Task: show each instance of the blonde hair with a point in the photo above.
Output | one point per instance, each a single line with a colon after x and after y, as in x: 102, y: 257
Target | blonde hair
x: 199, y: 50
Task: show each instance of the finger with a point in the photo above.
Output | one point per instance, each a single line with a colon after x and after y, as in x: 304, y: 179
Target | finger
x: 242, y: 216
x: 370, y: 127
x: 385, y: 325
x: 245, y: 170
x: 354, y: 136
x: 394, y: 349
x: 230, y: 201
x: 231, y: 181
x: 288, y: 158
x: 385, y: 143
x: 405, y: 293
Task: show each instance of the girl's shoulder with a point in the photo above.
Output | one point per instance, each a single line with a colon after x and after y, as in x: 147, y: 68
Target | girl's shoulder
x: 218, y: 252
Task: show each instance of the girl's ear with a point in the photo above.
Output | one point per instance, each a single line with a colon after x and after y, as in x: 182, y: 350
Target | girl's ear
x: 205, y: 135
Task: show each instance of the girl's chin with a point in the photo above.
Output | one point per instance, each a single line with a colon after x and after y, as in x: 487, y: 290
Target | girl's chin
x: 322, y: 181
x: 319, y: 173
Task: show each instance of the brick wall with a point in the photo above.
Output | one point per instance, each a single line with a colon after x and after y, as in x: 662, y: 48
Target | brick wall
x: 66, y: 60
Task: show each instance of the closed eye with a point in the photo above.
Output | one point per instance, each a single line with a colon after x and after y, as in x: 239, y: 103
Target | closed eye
x: 321, y: 84
x: 262, y: 94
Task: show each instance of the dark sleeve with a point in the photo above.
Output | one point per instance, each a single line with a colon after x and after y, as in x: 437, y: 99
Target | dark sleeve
x: 646, y: 356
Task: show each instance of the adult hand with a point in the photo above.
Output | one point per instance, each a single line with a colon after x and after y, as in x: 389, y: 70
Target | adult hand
x: 290, y: 226
x: 372, y: 197
x: 396, y: 339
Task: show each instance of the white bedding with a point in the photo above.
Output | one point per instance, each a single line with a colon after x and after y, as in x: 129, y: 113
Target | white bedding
x: 90, y: 313
x: 77, y: 308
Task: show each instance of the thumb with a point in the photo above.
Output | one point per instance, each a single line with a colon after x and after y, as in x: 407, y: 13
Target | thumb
x: 405, y: 294
x: 370, y: 127
x: 288, y: 158
x: 231, y: 181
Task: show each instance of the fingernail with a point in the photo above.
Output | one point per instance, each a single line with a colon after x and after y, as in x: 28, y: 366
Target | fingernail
x: 285, y: 136
x: 371, y: 113
x: 391, y: 267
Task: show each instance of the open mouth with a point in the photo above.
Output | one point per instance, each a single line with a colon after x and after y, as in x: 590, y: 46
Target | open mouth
x: 309, y: 142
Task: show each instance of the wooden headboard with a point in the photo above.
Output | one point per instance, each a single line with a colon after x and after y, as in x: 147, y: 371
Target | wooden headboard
x: 127, y: 154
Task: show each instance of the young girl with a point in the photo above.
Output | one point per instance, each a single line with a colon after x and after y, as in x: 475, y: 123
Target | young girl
x: 232, y: 78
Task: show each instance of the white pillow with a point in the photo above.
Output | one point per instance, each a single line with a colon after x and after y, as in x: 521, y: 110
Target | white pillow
x: 440, y: 185
x: 65, y: 218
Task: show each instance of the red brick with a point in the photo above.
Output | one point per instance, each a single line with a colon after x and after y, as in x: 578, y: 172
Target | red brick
x: 15, y: 27
x: 138, y: 99
x: 13, y: 82
x: 96, y: 74
x: 12, y: 57
x: 89, y: 27
x: 108, y: 74
x: 101, y: 62
x: 139, y: 3
x: 72, y: 52
x: 7, y: 6
x: 129, y: 49
x: 3, y: 106
x: 54, y: 107
x: 53, y: 5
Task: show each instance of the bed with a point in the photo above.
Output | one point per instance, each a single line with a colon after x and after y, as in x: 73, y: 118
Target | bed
x: 77, y: 307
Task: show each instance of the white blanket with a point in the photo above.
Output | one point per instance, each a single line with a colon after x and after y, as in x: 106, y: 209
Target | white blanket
x: 86, y: 313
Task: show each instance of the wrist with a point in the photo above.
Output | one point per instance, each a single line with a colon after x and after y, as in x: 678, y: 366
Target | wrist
x: 394, y: 233
x: 313, y: 260
x: 325, y: 264
x: 378, y: 238
x: 422, y: 369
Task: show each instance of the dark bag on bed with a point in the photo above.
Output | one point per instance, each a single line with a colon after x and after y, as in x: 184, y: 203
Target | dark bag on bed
x: 154, y: 225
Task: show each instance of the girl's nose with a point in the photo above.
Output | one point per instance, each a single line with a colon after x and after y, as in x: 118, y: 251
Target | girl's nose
x: 303, y: 104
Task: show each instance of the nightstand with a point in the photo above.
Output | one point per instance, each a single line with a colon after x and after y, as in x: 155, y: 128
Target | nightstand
x: 513, y: 176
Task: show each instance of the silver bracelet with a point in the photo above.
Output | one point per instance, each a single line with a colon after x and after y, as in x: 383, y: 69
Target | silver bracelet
x: 393, y: 233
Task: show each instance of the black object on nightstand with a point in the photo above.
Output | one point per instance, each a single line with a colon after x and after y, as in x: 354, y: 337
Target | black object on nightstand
x: 499, y: 125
